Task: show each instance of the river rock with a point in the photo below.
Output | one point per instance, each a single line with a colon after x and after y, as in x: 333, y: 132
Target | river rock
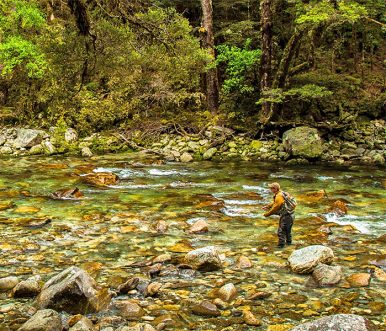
x: 6, y: 150
x: 304, y: 261
x: 186, y: 157
x: 137, y: 327
x: 83, y: 325
x: 27, y: 288
x: 326, y: 275
x: 199, y: 227
x: 359, y: 280
x: 227, y: 292
x: 204, y: 259
x: 70, y: 135
x: 8, y: 283
x: 73, y: 291
x: 72, y: 193
x: 48, y: 148
x: 43, y: 320
x: 86, y: 152
x: 250, y: 319
x: 27, y: 138
x: 339, y: 322
x: 243, y: 262
x: 129, y: 309
x: 205, y: 308
x: 303, y: 142
x: 101, y: 178
x: 209, y: 153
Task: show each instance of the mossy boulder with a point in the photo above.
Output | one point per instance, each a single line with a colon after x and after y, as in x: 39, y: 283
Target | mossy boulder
x: 303, y: 142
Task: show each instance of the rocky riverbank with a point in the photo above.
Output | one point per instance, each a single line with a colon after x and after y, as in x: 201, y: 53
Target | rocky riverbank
x: 366, y: 145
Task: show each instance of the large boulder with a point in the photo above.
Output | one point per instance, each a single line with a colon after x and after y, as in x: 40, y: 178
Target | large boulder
x: 204, y: 259
x: 303, y: 142
x: 27, y: 138
x: 73, y: 291
x: 43, y: 320
x: 305, y: 260
x: 339, y: 322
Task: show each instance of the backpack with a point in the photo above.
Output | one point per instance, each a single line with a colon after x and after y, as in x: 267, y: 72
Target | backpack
x: 289, y: 203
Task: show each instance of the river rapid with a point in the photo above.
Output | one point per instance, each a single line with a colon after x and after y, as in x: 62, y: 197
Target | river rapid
x: 112, y: 227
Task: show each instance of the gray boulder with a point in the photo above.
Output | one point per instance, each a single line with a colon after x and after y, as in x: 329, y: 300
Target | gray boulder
x: 305, y: 260
x: 339, y: 322
x: 43, y: 320
x: 303, y: 142
x: 27, y: 138
x: 73, y: 291
x: 204, y: 259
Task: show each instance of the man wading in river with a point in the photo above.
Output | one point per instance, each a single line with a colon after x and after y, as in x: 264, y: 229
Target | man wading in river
x: 283, y: 204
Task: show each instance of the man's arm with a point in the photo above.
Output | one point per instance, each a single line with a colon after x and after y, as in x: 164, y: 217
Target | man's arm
x: 267, y: 207
x: 276, y: 205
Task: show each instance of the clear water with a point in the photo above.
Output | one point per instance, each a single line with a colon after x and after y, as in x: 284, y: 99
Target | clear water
x: 114, y: 226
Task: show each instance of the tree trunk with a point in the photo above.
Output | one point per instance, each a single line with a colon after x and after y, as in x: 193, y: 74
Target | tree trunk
x: 212, y: 89
x: 288, y: 55
x: 266, y: 57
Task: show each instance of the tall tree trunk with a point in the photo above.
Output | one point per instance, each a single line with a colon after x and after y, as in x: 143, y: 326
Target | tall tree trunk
x: 288, y: 55
x: 212, y: 89
x: 266, y: 57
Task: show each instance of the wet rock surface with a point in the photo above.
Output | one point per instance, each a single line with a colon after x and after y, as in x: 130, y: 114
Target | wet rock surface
x: 340, y: 322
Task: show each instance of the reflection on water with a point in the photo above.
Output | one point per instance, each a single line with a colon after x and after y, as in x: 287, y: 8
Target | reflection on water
x: 115, y: 225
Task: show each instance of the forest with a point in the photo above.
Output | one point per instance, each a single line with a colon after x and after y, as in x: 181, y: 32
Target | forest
x: 248, y: 65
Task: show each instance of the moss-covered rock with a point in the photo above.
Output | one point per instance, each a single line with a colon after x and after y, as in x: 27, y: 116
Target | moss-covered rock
x: 303, y: 142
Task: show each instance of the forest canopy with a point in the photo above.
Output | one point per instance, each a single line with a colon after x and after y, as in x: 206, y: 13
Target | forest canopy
x: 102, y: 64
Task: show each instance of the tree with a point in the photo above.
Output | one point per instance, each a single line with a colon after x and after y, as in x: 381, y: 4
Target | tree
x: 266, y: 57
x: 212, y: 87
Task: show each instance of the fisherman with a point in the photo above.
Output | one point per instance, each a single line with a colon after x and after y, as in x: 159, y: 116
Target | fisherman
x: 283, y: 205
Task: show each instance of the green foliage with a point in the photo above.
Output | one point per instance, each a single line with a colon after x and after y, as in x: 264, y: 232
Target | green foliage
x: 323, y: 11
x: 239, y: 63
x: 307, y: 92
x: 16, y: 51
x: 19, y: 22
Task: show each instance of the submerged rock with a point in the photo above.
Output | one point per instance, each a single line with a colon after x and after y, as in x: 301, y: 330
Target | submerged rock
x: 326, y: 275
x: 101, y: 178
x: 72, y: 193
x: 305, y: 260
x: 205, y: 308
x: 73, y: 291
x: 43, y: 320
x: 204, y: 259
x: 227, y: 292
x: 339, y: 322
x: 359, y: 280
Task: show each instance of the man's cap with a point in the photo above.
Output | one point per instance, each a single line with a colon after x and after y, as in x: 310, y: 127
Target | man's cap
x: 274, y: 185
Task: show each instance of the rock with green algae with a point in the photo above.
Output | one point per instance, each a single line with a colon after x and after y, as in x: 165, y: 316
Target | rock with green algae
x: 303, y: 142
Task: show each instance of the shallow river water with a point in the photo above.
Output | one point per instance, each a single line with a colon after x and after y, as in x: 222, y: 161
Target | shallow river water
x: 112, y: 227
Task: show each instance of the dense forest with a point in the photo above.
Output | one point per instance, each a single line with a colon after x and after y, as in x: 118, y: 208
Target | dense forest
x: 248, y: 65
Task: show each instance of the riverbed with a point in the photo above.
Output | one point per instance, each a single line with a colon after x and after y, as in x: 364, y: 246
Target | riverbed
x: 112, y: 227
